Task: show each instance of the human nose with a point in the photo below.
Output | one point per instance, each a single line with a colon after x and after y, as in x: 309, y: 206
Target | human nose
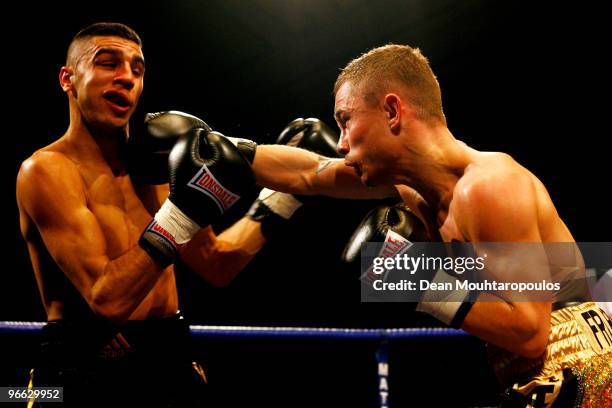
x: 343, y: 146
x: 125, y: 76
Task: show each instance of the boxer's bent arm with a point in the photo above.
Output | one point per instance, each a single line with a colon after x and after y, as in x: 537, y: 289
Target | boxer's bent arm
x: 488, y: 215
x: 518, y: 327
x: 50, y: 190
x: 298, y: 171
x: 218, y: 259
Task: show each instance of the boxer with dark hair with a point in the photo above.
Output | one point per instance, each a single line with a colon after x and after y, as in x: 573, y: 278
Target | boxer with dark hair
x: 104, y: 268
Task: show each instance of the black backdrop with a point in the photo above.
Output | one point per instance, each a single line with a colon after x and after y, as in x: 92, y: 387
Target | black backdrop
x: 516, y: 77
x: 527, y: 79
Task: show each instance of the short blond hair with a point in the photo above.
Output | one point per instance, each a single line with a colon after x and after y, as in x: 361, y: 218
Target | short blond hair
x: 378, y: 70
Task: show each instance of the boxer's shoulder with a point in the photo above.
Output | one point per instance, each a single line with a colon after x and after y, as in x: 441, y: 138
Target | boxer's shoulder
x: 490, y: 176
x: 491, y: 191
x: 47, y: 168
x: 492, y: 167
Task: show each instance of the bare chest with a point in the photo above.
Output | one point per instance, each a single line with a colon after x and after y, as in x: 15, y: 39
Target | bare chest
x: 119, y: 211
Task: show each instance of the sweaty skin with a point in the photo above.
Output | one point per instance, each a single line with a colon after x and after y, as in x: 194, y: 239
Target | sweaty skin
x: 460, y: 193
x: 497, y: 200
x: 474, y: 196
x: 81, y: 216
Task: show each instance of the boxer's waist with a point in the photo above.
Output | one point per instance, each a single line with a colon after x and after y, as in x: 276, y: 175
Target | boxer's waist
x: 578, y: 332
x: 85, y: 341
x: 567, y: 303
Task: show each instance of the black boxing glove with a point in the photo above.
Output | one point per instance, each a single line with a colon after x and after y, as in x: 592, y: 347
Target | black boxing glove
x: 310, y: 134
x: 386, y: 224
x: 208, y: 174
x: 396, y: 227
x: 273, y: 208
x: 150, y: 142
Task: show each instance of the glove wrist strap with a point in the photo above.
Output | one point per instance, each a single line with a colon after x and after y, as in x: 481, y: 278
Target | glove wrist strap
x: 282, y: 204
x: 273, y: 209
x: 450, y: 307
x: 170, y: 228
x: 176, y: 222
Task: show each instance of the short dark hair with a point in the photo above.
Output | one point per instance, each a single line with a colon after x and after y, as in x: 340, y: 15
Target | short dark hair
x: 105, y: 30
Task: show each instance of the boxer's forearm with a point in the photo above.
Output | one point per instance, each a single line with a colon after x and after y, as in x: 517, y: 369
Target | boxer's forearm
x: 219, y: 259
x: 520, y: 327
x: 123, y: 285
x: 298, y: 171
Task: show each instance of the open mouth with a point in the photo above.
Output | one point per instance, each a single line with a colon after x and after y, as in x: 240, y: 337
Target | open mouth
x: 118, y: 99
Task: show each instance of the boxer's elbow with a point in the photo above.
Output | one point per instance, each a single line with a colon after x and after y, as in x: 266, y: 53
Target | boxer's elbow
x: 229, y: 265
x: 114, y: 311
x: 111, y: 313
x: 213, y: 265
x: 217, y: 277
x: 532, y: 337
x: 224, y: 271
x: 219, y: 270
x: 535, y: 345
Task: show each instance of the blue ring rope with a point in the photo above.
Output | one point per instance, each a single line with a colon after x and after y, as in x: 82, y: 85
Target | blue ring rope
x: 279, y: 332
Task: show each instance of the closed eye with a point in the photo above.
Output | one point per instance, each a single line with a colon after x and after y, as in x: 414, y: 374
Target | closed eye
x: 343, y: 121
x: 106, y: 63
x: 138, y: 67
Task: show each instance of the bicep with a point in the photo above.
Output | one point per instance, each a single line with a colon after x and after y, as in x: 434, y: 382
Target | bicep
x: 502, y: 224
x: 498, y: 208
x: 54, y: 200
x: 505, y: 232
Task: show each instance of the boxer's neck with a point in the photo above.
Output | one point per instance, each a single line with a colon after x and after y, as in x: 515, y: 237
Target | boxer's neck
x: 433, y: 164
x: 98, y: 144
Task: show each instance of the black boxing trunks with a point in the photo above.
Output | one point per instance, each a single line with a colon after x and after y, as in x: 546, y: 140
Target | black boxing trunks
x: 142, y: 363
x: 575, y: 370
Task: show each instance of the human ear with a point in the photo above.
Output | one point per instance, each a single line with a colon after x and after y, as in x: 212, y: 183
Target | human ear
x: 393, y: 109
x: 65, y: 78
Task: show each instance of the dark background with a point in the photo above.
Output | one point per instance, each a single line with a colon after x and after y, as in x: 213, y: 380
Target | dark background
x: 527, y: 79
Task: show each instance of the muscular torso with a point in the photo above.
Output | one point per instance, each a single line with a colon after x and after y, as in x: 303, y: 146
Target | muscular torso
x: 121, y: 212
x: 550, y: 225
x: 565, y: 261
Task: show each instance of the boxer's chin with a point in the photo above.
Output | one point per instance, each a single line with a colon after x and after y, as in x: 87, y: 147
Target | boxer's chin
x: 367, y: 180
x: 359, y: 173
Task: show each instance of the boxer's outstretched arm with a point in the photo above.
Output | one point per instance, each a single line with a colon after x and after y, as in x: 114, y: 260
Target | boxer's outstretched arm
x: 298, y: 171
x: 487, y: 214
x: 220, y: 258
x: 51, y: 192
